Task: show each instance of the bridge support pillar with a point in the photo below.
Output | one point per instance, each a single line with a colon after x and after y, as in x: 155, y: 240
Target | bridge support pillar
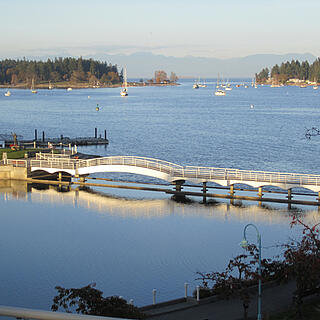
x: 232, y: 192
x: 289, y: 198
x: 204, y: 190
x: 260, y: 195
x: 178, y: 196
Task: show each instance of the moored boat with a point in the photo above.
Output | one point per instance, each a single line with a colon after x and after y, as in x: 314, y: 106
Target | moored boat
x: 124, y: 90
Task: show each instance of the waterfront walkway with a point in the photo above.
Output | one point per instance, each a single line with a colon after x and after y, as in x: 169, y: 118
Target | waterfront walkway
x: 274, y: 299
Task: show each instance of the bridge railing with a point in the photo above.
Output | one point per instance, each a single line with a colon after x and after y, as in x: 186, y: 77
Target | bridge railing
x: 207, y: 173
x: 173, y: 170
x: 149, y: 163
x: 56, y: 163
x: 17, y: 162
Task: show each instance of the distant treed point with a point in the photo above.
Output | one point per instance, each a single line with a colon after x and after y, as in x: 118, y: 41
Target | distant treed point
x: 293, y: 72
x: 60, y: 71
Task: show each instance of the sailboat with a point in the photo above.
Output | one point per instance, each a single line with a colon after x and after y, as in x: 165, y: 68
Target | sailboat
x: 124, y: 90
x: 8, y: 94
x: 32, y: 87
x: 202, y: 84
x: 196, y: 84
x: 228, y: 86
x: 219, y: 92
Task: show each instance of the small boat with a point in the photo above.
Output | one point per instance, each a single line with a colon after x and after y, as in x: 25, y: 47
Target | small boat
x: 69, y: 89
x: 315, y: 87
x: 201, y: 84
x: 220, y: 92
x: 228, y: 87
x: 33, y: 90
x: 195, y: 86
x: 8, y: 94
x: 124, y: 90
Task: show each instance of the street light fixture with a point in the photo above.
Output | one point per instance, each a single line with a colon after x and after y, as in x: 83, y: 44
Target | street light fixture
x: 244, y: 244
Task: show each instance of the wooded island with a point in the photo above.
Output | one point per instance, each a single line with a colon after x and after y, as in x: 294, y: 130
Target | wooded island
x: 292, y: 72
x: 68, y: 72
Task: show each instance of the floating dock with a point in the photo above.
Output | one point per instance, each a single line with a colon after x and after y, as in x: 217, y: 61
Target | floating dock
x: 62, y: 141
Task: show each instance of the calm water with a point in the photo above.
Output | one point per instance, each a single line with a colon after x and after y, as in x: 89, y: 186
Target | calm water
x: 130, y: 242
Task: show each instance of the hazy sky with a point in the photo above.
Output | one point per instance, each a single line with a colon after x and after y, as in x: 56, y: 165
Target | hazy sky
x: 207, y: 28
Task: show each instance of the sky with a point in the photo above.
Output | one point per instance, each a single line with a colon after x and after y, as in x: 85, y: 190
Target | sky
x: 204, y: 28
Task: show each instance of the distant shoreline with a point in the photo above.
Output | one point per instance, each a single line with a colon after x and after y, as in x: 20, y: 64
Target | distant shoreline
x: 85, y: 85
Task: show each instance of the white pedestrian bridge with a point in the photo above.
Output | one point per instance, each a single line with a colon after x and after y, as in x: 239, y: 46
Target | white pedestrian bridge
x: 169, y: 171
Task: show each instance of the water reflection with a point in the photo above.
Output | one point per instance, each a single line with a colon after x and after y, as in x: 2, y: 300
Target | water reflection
x: 53, y: 236
x: 113, y: 205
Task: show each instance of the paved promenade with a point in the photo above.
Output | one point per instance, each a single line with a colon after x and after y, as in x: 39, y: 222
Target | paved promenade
x: 273, y: 300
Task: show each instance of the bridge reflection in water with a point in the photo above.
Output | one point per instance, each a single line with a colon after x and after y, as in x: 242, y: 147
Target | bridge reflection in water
x: 113, y: 205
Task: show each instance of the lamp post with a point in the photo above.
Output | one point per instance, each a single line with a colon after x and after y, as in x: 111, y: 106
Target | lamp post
x: 244, y: 244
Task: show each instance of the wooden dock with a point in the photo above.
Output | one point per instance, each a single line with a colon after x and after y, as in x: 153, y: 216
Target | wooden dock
x: 62, y: 141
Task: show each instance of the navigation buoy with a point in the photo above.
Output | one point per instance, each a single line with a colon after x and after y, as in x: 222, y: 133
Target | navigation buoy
x: 97, y: 108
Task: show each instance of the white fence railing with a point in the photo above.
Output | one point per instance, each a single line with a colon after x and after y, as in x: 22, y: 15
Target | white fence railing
x: 173, y: 170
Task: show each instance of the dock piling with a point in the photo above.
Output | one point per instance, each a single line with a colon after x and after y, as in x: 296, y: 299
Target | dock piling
x: 42, y: 136
x: 35, y: 134
x: 105, y: 134
x: 95, y: 133
x: 204, y: 190
x: 289, y: 198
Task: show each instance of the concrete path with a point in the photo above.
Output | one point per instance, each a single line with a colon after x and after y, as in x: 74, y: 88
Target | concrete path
x: 273, y: 300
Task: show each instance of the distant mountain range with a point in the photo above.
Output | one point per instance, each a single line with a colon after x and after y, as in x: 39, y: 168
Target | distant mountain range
x: 143, y: 64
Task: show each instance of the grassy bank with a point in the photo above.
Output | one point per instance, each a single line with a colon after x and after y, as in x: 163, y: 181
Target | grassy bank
x: 21, y: 154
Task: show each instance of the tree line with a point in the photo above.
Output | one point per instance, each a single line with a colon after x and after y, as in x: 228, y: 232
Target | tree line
x: 75, y: 70
x: 291, y: 70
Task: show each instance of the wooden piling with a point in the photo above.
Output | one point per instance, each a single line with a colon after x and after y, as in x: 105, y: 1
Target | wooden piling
x: 204, y: 190
x: 231, y: 192
x: 289, y: 198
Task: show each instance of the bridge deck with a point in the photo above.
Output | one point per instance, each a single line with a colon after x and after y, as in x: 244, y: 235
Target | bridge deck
x: 168, y: 171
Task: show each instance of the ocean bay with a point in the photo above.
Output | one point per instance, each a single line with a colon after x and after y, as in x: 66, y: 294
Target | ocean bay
x: 66, y: 239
